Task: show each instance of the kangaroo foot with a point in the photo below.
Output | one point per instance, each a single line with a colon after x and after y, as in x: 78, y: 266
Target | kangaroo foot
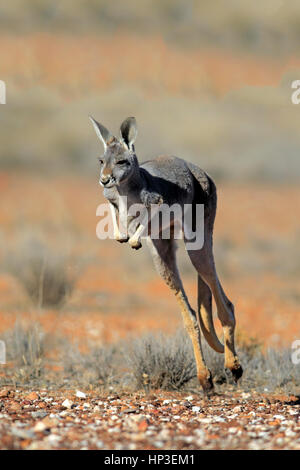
x: 234, y: 372
x: 207, y: 385
x: 237, y: 372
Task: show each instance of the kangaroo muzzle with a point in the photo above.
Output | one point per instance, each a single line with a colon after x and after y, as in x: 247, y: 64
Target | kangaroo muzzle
x: 105, y: 179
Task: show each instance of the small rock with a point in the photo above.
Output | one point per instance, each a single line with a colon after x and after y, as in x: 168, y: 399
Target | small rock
x: 158, y: 444
x: 4, y: 393
x: 200, y: 433
x: 130, y: 410
x: 207, y: 420
x: 40, y: 427
x: 189, y: 398
x: 67, y: 404
x: 42, y: 404
x: 22, y: 433
x: 290, y: 433
x: 219, y: 419
x: 14, y: 407
x: 143, y: 425
x: 32, y: 396
x: 232, y: 430
x: 39, y: 414
x: 237, y: 409
x: 187, y: 404
x: 46, y: 423
x: 196, y: 409
x: 200, y: 442
x: 80, y: 394
x: 53, y: 439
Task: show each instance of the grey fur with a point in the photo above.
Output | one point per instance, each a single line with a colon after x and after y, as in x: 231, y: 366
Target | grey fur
x: 172, y: 180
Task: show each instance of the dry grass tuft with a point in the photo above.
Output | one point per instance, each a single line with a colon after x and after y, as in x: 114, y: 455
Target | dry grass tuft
x: 95, y: 368
x: 43, y: 273
x: 25, y: 347
x: 159, y: 361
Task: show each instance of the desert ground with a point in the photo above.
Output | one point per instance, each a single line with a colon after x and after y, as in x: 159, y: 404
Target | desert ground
x: 45, y: 420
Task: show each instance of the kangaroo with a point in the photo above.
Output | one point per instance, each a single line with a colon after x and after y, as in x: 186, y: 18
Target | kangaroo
x: 170, y: 180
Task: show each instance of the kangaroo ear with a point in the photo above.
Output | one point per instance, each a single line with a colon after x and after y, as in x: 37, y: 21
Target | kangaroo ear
x: 101, y: 131
x: 128, y: 131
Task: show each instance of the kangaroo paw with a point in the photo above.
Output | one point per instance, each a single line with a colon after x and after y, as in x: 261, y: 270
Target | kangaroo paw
x: 136, y: 246
x: 135, y: 243
x: 122, y: 238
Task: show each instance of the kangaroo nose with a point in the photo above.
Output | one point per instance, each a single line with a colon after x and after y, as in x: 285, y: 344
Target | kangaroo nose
x: 105, y: 179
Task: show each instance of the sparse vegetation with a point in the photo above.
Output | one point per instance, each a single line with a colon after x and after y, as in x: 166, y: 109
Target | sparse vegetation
x: 25, y: 346
x: 43, y: 273
x: 159, y: 361
x: 97, y: 367
x: 151, y: 362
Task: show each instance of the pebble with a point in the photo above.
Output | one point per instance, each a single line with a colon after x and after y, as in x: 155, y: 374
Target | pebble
x: 187, y: 439
x: 158, y: 444
x: 22, y: 433
x: 53, y: 439
x: 67, y: 404
x: 290, y: 433
x: 232, y: 430
x: 40, y: 427
x: 237, y: 409
x: 32, y: 396
x: 196, y: 409
x: 39, y: 414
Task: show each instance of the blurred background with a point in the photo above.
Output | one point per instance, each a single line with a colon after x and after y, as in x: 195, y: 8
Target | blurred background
x: 207, y: 81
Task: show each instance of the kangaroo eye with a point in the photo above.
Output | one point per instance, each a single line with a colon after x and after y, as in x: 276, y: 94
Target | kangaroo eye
x: 122, y: 162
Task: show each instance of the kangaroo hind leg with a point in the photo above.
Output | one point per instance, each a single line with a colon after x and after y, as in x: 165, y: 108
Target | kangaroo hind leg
x: 163, y: 253
x: 204, y: 263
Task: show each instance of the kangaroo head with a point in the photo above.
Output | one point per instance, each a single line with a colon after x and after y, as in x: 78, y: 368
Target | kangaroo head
x: 119, y: 162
